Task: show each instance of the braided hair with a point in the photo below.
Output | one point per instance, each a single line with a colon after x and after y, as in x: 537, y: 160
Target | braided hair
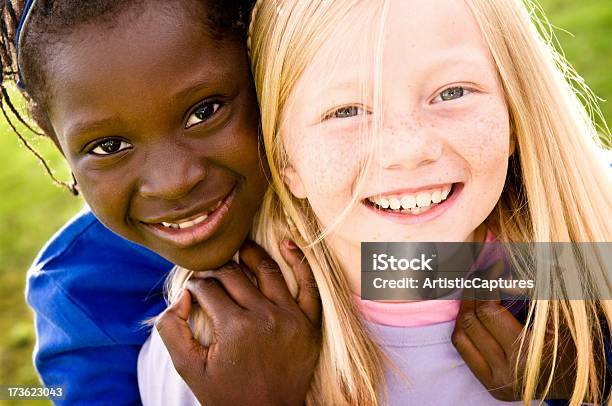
x: 50, y: 20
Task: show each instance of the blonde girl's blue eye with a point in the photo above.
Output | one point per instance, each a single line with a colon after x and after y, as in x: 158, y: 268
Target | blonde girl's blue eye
x: 110, y: 146
x: 452, y: 93
x: 202, y: 113
x: 346, y: 112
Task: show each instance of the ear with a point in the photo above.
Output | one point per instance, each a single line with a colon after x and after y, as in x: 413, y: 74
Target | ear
x: 294, y: 182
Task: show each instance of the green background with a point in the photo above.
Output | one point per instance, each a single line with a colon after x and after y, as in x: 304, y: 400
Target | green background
x: 32, y: 208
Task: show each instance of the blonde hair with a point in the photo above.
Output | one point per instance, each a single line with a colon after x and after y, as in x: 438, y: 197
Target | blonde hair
x: 557, y: 189
x: 284, y: 37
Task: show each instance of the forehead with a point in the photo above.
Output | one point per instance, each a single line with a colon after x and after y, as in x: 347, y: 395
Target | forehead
x: 435, y: 23
x: 139, y: 57
x: 416, y: 35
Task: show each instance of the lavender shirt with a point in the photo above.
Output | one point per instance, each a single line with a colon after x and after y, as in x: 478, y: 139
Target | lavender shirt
x: 435, y: 374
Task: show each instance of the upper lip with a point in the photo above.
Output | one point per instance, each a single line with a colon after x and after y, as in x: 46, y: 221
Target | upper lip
x: 190, y: 214
x: 411, y: 190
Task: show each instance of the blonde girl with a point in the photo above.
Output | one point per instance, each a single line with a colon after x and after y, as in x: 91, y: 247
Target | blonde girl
x: 369, y: 103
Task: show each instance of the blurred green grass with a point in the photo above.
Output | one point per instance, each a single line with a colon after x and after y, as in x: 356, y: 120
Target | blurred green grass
x: 32, y: 208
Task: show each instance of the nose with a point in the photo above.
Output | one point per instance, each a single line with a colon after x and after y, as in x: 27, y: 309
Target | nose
x: 171, y: 172
x: 408, y: 145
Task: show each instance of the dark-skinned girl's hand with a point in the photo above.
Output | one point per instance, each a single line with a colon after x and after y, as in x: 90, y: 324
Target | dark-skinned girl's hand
x: 266, y: 343
x: 487, y: 336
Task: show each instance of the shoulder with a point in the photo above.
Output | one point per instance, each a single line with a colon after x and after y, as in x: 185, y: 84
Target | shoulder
x: 84, y: 239
x: 158, y: 381
x: 62, y: 240
x: 87, y: 270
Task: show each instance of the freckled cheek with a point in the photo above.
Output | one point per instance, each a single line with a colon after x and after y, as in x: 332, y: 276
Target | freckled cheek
x: 328, y: 168
x: 482, y: 140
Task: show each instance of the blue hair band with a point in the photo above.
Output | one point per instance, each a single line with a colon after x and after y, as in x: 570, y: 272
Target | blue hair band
x: 23, y: 21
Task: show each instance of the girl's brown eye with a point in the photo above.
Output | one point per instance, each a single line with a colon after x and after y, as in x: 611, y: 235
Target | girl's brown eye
x: 202, y: 113
x: 110, y: 146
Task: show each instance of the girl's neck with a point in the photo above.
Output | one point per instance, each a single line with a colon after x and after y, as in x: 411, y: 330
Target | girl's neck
x: 419, y: 313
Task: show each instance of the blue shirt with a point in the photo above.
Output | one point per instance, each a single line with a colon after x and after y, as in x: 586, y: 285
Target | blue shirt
x: 91, y: 290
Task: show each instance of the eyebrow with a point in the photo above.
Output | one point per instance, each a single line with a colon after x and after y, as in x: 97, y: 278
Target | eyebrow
x: 83, y: 127
x: 354, y: 82
x: 76, y: 130
x: 193, y: 88
x: 214, y: 79
x: 458, y: 55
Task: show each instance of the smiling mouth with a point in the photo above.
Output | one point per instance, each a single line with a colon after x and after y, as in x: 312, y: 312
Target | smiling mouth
x: 192, y: 221
x: 411, y: 203
x: 194, y: 229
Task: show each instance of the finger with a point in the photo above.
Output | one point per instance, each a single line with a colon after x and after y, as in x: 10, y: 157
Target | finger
x: 173, y: 328
x: 480, y: 336
x: 467, y: 295
x: 470, y: 354
x: 501, y: 269
x: 269, y: 277
x: 501, y: 324
x: 235, y: 283
x: 213, y: 299
x: 492, y: 274
x: 308, y: 298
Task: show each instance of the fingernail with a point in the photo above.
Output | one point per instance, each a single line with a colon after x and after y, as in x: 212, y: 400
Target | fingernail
x: 290, y: 244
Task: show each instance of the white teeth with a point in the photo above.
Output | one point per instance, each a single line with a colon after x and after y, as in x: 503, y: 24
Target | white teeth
x: 185, y: 224
x: 414, y: 203
x: 394, y: 203
x: 445, y: 192
x: 436, y: 196
x: 200, y: 219
x: 423, y: 199
x: 408, y: 202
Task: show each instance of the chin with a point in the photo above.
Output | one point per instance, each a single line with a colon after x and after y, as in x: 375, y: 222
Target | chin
x: 193, y: 264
